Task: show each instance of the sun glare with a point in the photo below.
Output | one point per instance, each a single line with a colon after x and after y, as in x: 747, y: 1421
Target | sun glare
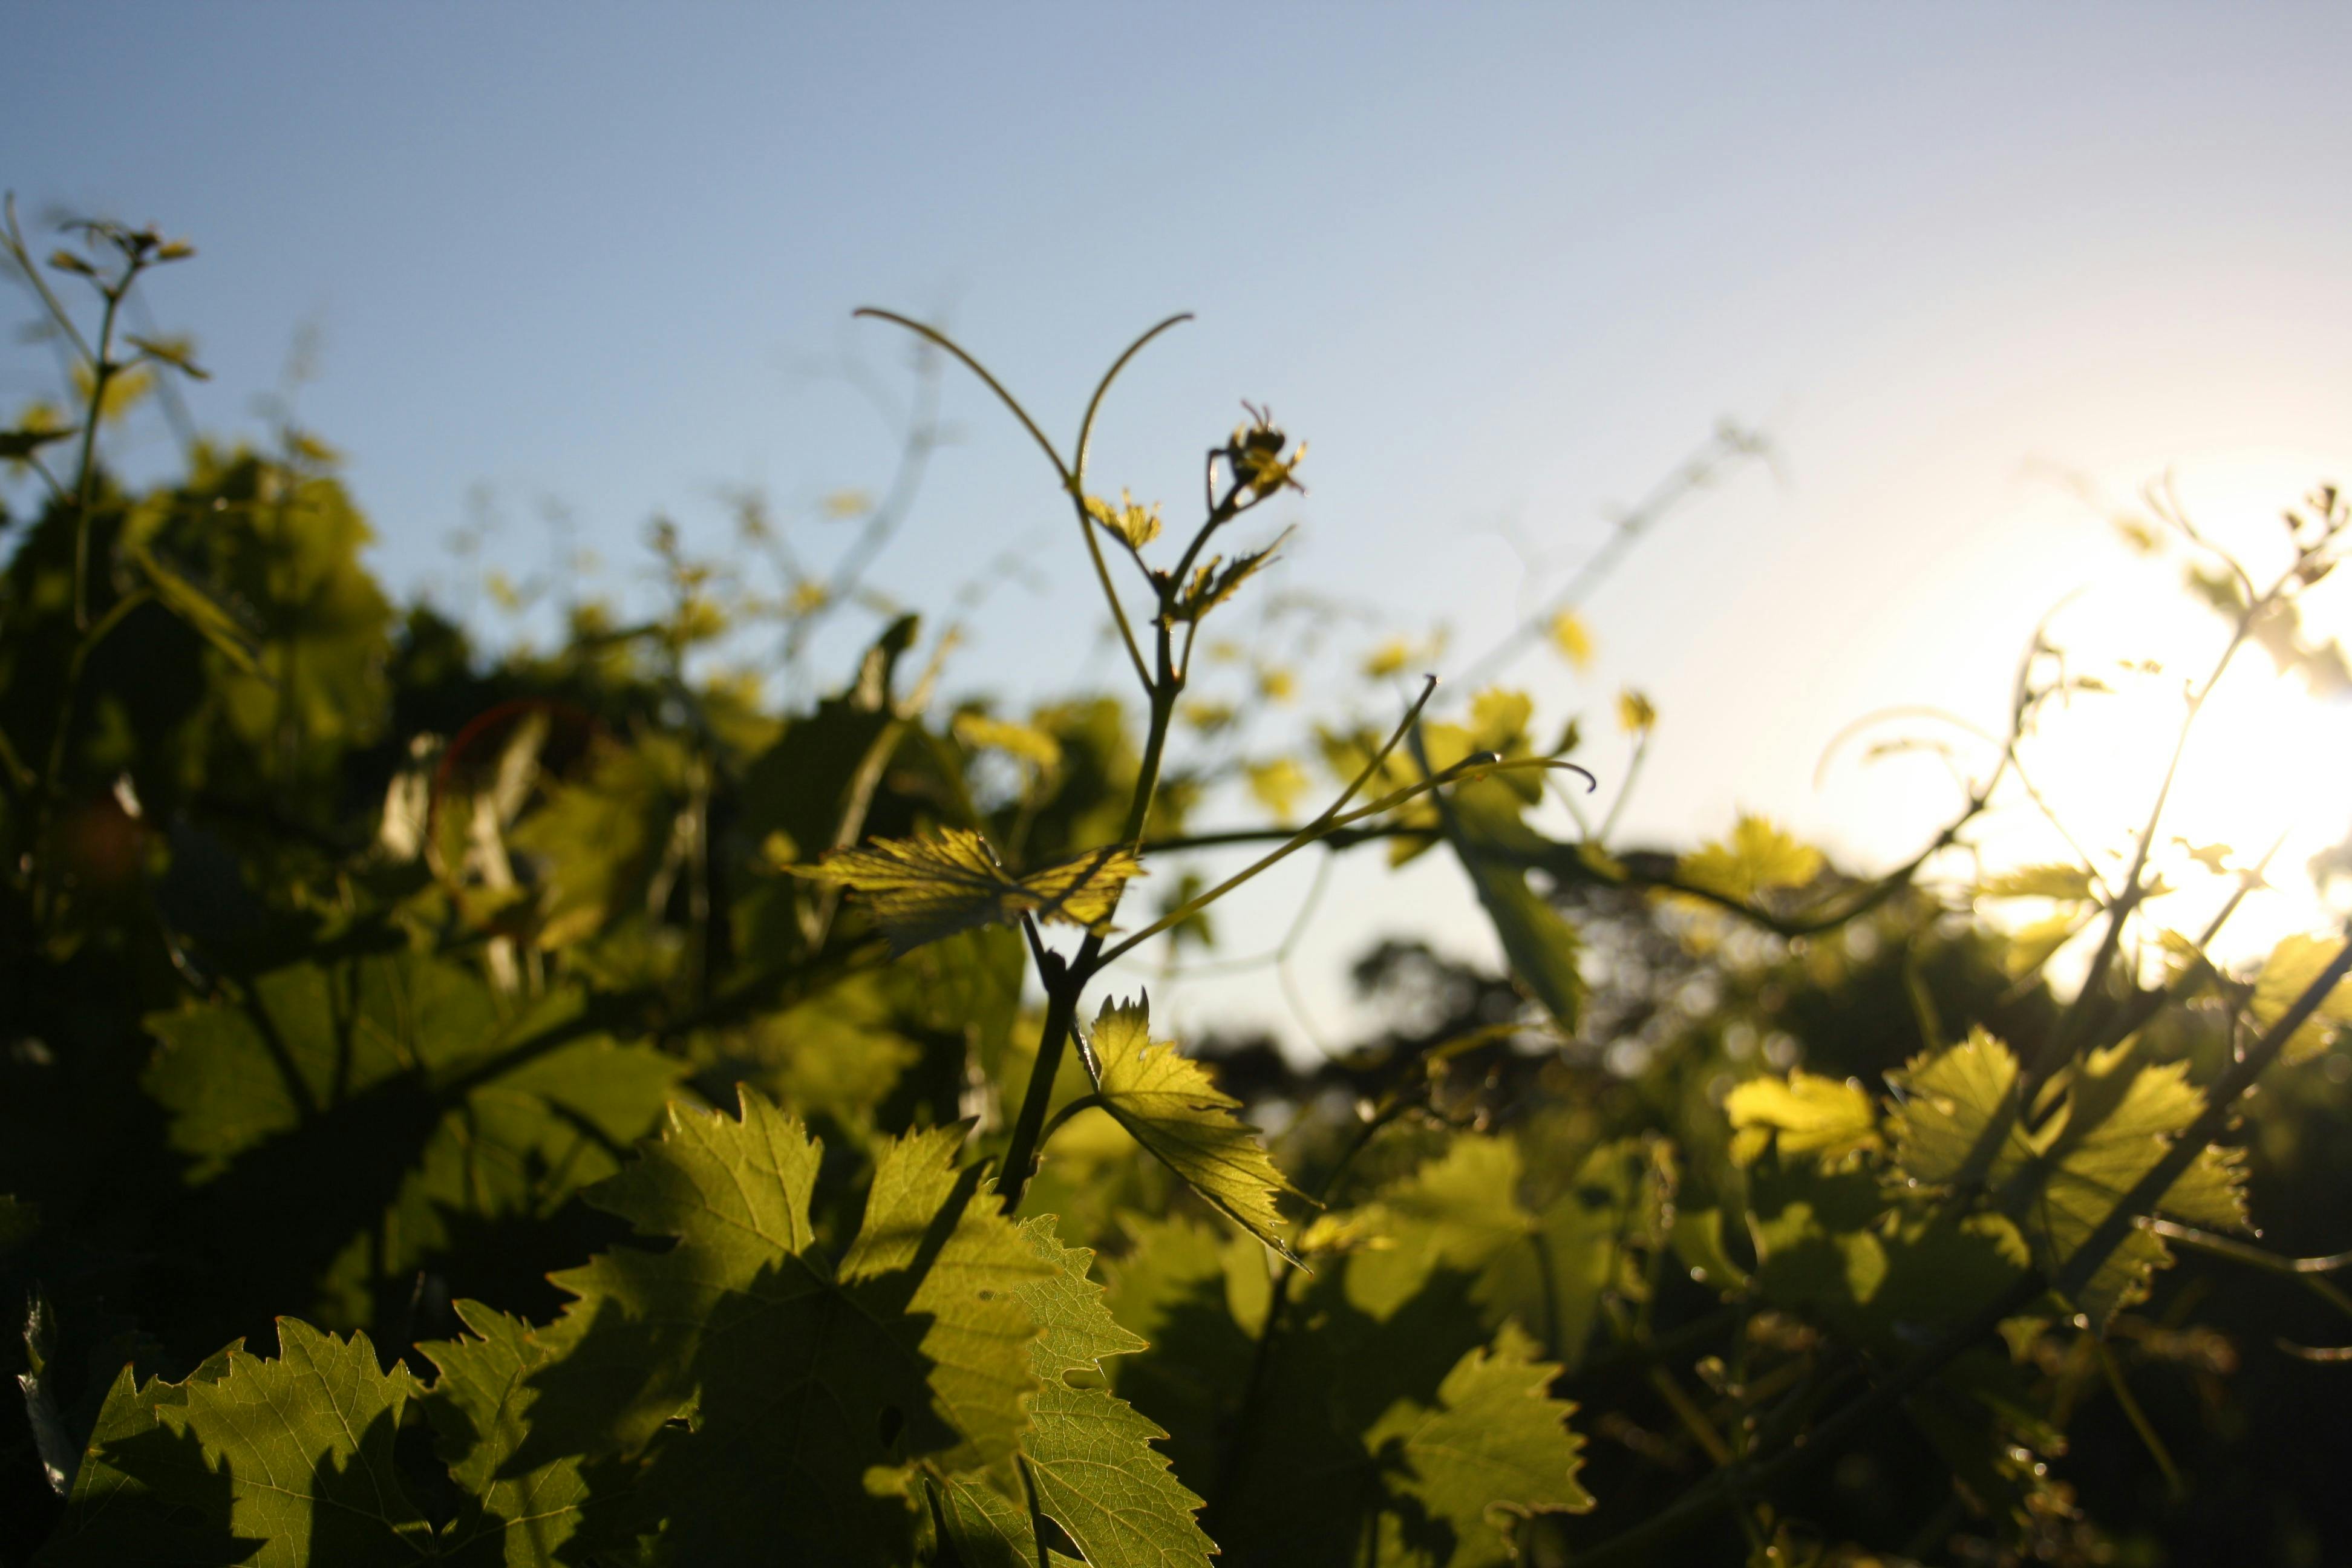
x: 2267, y: 766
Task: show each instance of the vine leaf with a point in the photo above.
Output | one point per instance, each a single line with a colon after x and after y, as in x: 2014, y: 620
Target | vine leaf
x: 978, y: 732
x: 1169, y: 1104
x: 1214, y: 581
x: 1547, y: 1268
x: 920, y: 889
x: 1399, y: 1429
x: 1759, y: 857
x: 1805, y: 1114
x: 480, y: 1410
x: 1088, y: 1454
x: 1483, y: 825
x: 1134, y: 523
x: 816, y: 1387
x: 2289, y: 970
x: 282, y: 1464
x: 348, y: 1120
x: 199, y: 611
x: 1958, y: 1126
x: 21, y: 443
x: 1495, y: 1447
x: 2066, y: 884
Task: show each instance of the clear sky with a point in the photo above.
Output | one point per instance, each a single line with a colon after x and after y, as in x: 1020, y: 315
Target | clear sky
x: 1502, y: 265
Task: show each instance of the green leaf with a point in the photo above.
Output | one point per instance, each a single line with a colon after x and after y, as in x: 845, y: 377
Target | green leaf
x: 480, y: 1408
x: 2286, y: 974
x: 1547, y: 1270
x: 1088, y: 1455
x: 989, y: 1529
x: 1214, y: 581
x: 816, y: 1387
x: 2068, y: 884
x: 1494, y: 1447
x: 1169, y: 1104
x: 180, y: 354
x: 287, y: 551
x: 283, y: 1464
x: 1032, y: 745
x: 920, y: 889
x: 601, y: 841
x: 1959, y: 1125
x: 1804, y: 1113
x: 1135, y: 524
x: 200, y: 613
x: 1759, y: 857
x: 21, y: 443
x: 1481, y: 822
x: 1958, y: 1122
x: 349, y: 1121
x: 1278, y: 784
x: 1596, y: 1236
x: 1460, y: 1212
x: 1412, y: 1433
x: 1198, y: 1295
x: 1573, y: 639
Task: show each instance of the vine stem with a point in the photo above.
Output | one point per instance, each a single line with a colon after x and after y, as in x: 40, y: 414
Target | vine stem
x: 2060, y: 1046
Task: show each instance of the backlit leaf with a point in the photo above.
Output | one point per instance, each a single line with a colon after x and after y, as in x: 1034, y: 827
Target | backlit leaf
x: 2068, y: 883
x: 1087, y: 1453
x: 977, y: 731
x: 1959, y: 1125
x: 920, y: 889
x: 1482, y: 822
x: 1759, y: 857
x: 1214, y: 581
x: 1636, y: 713
x: 1134, y: 524
x: 1804, y: 1114
x: 199, y: 611
x: 481, y: 1408
x: 815, y: 1384
x: 1494, y: 1447
x: 349, y: 1121
x: 2294, y: 964
x: 1278, y: 785
x: 284, y: 1463
x: 1573, y: 638
x: 1171, y: 1107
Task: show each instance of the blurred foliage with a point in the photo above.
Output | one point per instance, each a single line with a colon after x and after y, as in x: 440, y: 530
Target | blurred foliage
x: 603, y: 1113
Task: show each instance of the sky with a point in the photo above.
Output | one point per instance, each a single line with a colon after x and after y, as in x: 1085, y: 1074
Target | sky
x: 1504, y: 266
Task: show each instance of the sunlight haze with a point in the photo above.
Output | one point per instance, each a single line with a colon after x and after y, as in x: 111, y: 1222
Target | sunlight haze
x: 1504, y: 268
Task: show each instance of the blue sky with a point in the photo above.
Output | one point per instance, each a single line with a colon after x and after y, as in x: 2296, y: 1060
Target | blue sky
x: 1500, y: 264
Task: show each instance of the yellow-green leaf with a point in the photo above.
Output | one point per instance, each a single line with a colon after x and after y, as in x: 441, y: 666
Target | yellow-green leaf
x: 1957, y: 1125
x: 1168, y: 1103
x: 2066, y: 883
x: 199, y: 611
x: 1133, y: 523
x: 1495, y: 1448
x: 1757, y: 857
x: 820, y: 1377
x: 1805, y: 1114
x: 1279, y: 785
x: 920, y: 889
x: 283, y: 1463
x: 979, y: 731
x: 1573, y: 638
x: 2286, y: 974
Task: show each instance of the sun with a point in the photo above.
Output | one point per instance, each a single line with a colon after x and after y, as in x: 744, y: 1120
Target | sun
x: 2264, y: 776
